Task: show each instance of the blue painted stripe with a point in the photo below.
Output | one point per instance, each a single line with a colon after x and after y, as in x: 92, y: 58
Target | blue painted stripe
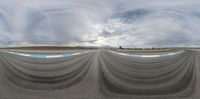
x: 37, y: 56
x: 146, y: 56
x: 162, y: 55
x: 47, y: 55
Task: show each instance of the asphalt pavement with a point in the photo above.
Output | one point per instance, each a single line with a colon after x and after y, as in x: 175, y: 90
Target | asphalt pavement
x: 100, y: 74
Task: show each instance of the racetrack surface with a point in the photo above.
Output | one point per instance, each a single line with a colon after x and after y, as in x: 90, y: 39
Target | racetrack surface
x: 100, y: 75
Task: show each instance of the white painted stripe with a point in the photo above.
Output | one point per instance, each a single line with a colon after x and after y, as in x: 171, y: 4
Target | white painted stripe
x: 76, y: 53
x: 171, y: 53
x: 47, y: 56
x: 28, y: 55
x: 150, y: 55
x: 122, y: 54
x: 137, y: 55
x: 54, y: 56
x: 11, y: 52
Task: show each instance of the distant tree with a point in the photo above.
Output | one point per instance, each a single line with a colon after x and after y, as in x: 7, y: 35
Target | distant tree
x: 120, y: 47
x: 153, y: 48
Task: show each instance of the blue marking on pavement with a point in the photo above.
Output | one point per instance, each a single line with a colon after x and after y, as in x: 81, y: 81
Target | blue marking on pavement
x: 38, y: 56
x: 139, y: 56
x: 47, y: 55
x: 161, y: 55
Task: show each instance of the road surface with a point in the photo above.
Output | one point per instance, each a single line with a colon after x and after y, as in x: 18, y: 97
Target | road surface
x: 100, y: 74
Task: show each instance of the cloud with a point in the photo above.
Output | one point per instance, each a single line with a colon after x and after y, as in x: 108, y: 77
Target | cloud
x: 131, y: 23
x: 156, y: 25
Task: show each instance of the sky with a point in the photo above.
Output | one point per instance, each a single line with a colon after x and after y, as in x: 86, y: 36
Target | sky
x: 126, y: 23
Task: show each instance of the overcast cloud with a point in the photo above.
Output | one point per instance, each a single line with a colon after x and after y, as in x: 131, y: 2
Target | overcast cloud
x: 128, y: 23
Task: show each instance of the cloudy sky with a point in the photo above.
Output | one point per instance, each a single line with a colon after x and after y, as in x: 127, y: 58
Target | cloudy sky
x: 128, y: 23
